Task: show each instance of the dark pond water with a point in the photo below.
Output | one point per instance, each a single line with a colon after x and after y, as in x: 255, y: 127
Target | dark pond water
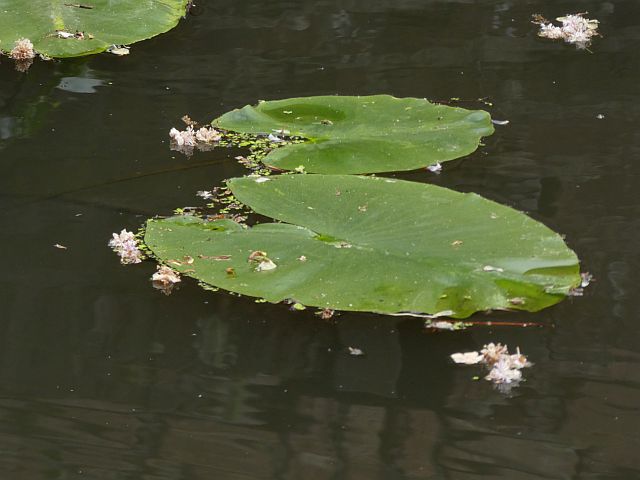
x: 103, y: 377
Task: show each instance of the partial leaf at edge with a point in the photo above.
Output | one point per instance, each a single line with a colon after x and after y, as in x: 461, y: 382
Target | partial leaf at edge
x: 109, y: 22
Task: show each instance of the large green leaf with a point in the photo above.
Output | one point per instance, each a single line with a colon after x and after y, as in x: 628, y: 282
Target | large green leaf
x: 370, y: 134
x: 374, y: 244
x: 109, y: 22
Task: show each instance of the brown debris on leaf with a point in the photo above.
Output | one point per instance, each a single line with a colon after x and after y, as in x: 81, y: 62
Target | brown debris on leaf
x: 262, y: 262
x: 78, y: 5
x: 257, y: 255
x: 215, y: 257
x: 325, y: 313
x: 186, y: 260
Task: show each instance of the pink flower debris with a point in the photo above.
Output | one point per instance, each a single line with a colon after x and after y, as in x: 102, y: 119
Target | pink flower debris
x: 126, y: 246
x: 575, y: 29
x: 23, y: 50
x: 185, y: 141
x: 184, y: 138
x: 208, y: 135
x: 504, y: 368
x: 165, y: 279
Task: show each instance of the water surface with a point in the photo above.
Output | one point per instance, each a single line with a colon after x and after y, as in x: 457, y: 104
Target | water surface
x: 103, y: 377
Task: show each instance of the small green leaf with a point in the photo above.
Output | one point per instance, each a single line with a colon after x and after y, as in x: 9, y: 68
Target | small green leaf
x: 370, y: 134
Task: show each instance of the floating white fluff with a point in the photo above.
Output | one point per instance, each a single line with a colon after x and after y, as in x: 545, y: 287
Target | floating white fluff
x: 575, y: 29
x: 126, y: 246
x: 504, y: 368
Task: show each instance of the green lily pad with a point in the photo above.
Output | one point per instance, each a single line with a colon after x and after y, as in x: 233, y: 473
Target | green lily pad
x: 370, y: 134
x: 109, y: 22
x: 373, y: 244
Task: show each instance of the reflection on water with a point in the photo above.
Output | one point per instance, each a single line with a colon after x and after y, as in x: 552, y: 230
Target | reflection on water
x: 104, y: 377
x: 27, y: 101
x: 81, y: 84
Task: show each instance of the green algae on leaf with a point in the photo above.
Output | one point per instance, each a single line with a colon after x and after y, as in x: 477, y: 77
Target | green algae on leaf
x: 413, y: 248
x: 368, y: 134
x: 60, y: 28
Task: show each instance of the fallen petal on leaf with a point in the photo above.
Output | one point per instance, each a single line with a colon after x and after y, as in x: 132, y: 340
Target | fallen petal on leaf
x: 63, y: 34
x: 489, y: 268
x: 119, y: 50
x: 265, y: 265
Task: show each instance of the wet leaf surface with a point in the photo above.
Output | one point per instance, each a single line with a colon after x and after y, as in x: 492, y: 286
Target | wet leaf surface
x: 366, y: 134
x: 398, y: 255
x: 59, y: 28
